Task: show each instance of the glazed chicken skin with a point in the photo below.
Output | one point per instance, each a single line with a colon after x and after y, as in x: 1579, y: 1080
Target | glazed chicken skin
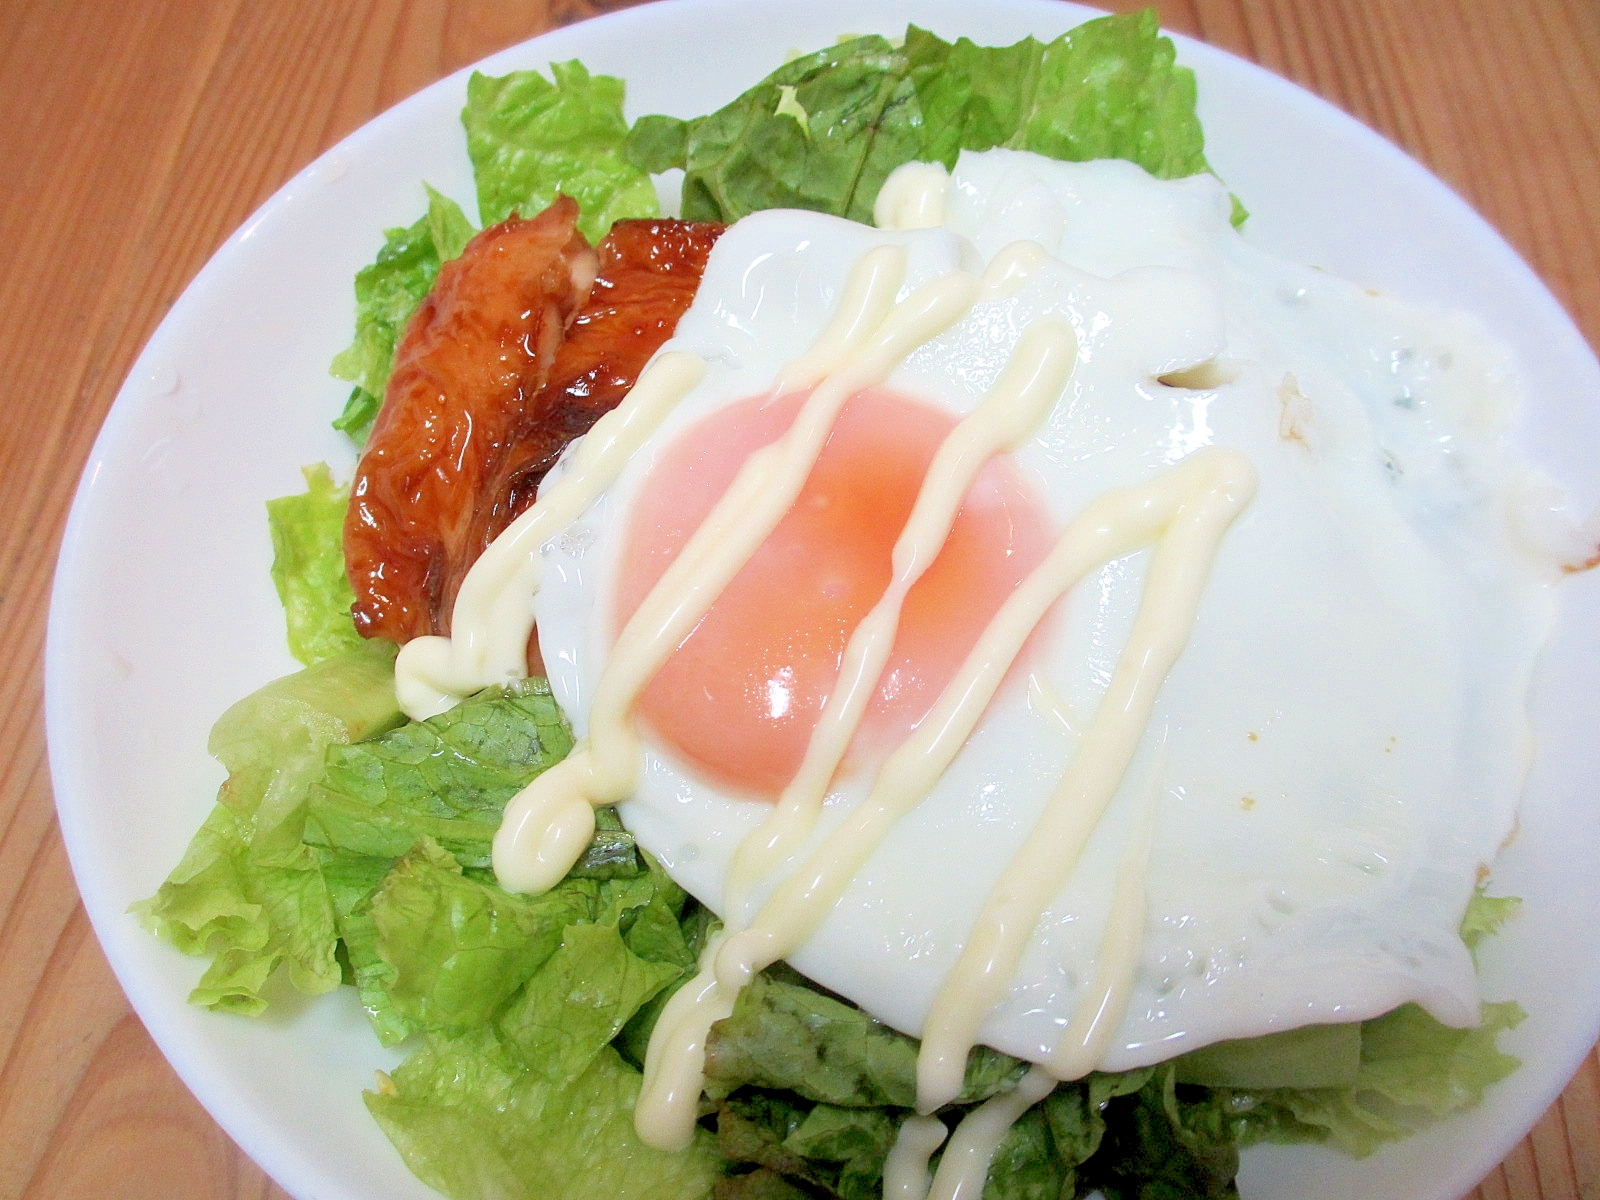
x: 649, y: 273
x: 526, y: 340
x: 476, y: 348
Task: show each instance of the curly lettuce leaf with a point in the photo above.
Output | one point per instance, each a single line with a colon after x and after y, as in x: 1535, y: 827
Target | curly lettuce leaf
x: 824, y: 131
x: 1133, y: 1134
x: 1161, y: 1141
x: 1311, y: 1056
x: 835, y: 1151
x: 248, y: 892
x: 532, y: 138
x: 474, y: 1123
x: 387, y: 292
x: 792, y: 1059
x: 308, y: 567
x: 821, y: 132
x: 248, y: 915
x: 582, y: 998
x: 1077, y: 1115
x: 1485, y: 916
x: 1111, y: 88
x: 454, y: 949
x: 1026, y: 1165
x: 1413, y: 1069
x: 526, y: 1095
x: 1410, y: 1068
x: 790, y: 1036
x: 855, y: 1141
x: 447, y: 778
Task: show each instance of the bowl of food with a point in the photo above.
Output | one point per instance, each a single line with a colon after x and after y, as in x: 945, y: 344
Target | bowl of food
x: 1375, y: 655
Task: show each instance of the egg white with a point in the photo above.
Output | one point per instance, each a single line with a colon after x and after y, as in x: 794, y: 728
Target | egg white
x: 1341, y: 745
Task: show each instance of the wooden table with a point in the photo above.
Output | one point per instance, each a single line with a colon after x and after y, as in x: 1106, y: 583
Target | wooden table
x: 135, y: 135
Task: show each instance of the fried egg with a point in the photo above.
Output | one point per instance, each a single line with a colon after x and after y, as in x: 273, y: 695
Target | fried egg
x: 1331, y: 761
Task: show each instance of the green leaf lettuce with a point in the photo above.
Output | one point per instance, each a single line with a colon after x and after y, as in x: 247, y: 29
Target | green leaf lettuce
x: 248, y: 892
x: 387, y: 293
x: 532, y: 138
x: 825, y: 130
x: 308, y: 567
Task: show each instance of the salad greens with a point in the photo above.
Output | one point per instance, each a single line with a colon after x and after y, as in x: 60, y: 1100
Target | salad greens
x: 308, y: 567
x: 348, y: 846
x: 387, y: 293
x: 531, y: 139
x: 249, y: 892
x: 825, y: 130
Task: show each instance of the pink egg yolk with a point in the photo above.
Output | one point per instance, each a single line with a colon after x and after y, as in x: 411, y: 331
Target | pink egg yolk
x: 739, y: 699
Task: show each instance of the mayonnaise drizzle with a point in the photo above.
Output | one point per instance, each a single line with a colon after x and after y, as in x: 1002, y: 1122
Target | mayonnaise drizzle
x: 912, y: 197
x: 603, y: 768
x: 1185, y: 511
x: 493, y: 613
x: 1021, y: 398
x: 1103, y: 1004
x: 675, y: 1060
x: 1050, y: 704
x: 905, y: 1170
x: 964, y: 1168
x: 547, y: 826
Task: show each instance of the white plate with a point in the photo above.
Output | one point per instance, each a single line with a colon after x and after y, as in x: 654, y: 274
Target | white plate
x: 163, y: 613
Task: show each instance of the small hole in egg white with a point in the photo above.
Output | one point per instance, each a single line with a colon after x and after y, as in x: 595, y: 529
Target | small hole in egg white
x: 1203, y: 377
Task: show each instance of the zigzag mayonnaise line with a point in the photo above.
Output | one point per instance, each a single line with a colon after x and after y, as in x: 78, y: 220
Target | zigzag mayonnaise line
x: 1198, y: 498
x: 1019, y: 401
x: 603, y: 768
x: 1186, y: 511
x: 674, y: 1066
x: 546, y: 826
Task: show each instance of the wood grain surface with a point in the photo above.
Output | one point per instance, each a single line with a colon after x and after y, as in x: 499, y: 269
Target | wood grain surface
x: 134, y: 137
